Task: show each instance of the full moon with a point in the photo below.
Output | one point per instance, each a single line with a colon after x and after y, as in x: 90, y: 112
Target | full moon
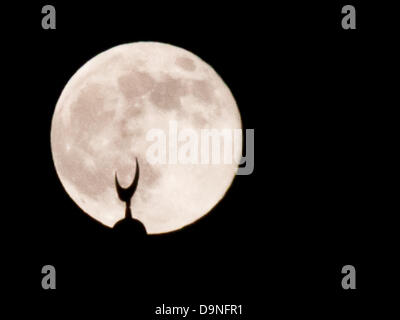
x: 101, y: 123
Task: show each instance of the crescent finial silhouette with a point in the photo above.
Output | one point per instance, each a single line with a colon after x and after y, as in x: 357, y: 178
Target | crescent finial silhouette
x: 126, y: 194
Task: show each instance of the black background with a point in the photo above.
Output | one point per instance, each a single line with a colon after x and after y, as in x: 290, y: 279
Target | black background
x: 319, y: 198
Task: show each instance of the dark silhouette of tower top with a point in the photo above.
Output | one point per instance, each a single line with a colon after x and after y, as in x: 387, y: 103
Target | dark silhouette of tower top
x: 129, y: 226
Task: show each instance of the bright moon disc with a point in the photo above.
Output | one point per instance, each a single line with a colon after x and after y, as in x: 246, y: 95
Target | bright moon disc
x: 101, y: 124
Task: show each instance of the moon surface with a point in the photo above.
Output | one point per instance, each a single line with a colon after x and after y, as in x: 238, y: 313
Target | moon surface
x: 100, y: 125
